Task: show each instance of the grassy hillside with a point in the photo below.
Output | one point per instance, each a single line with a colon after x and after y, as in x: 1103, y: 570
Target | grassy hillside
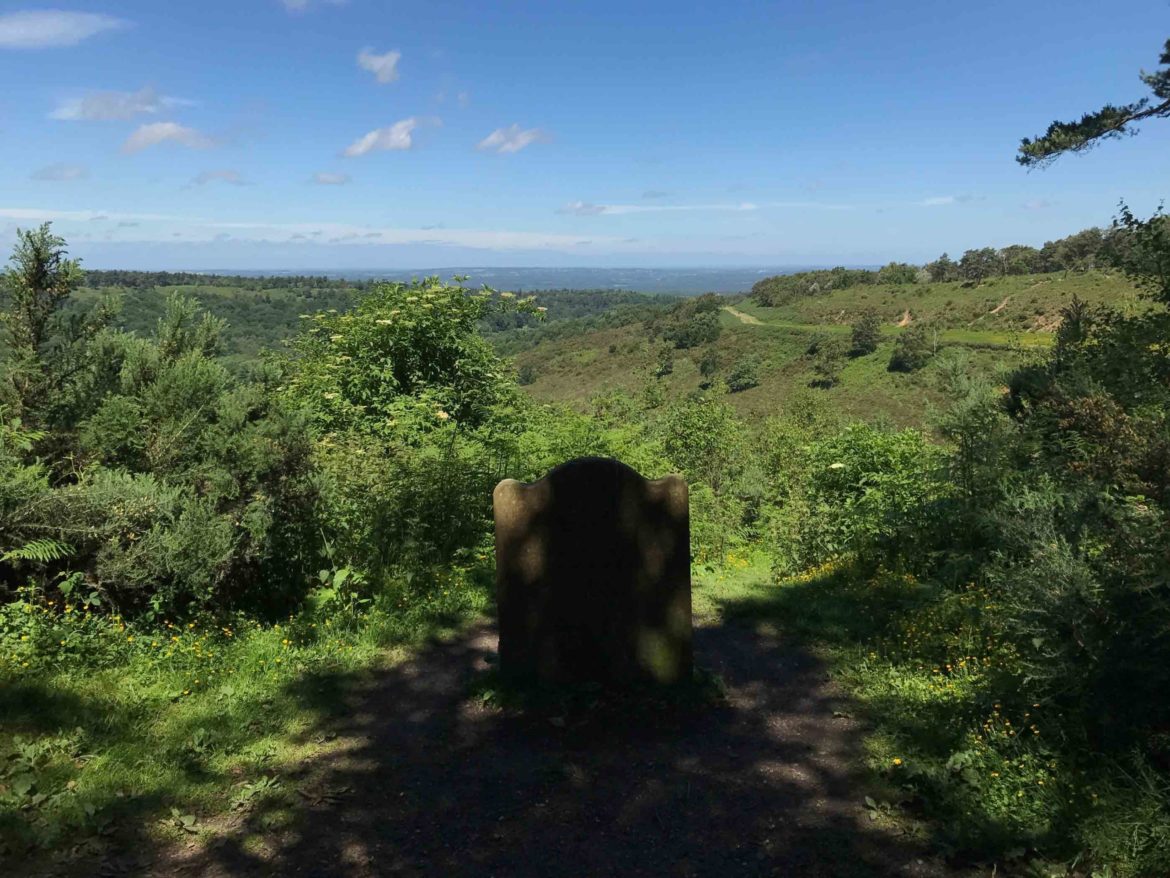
x: 1023, y: 303
x: 994, y: 325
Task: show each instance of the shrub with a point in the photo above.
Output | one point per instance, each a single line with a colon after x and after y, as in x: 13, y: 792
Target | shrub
x: 868, y: 492
x: 912, y: 350
x: 744, y: 374
x: 867, y: 334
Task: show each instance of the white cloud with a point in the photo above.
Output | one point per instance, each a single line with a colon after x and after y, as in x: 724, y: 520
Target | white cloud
x: 101, y: 106
x: 585, y: 208
x: 325, y: 178
x: 61, y: 173
x: 396, y: 136
x: 225, y: 175
x: 463, y: 99
x: 944, y: 200
x: 1037, y: 204
x: 511, y: 139
x: 159, y: 132
x: 384, y: 67
x: 582, y: 208
x: 48, y: 28
x: 655, y: 193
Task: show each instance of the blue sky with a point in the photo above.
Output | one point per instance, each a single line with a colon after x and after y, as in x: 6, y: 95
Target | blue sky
x: 393, y: 133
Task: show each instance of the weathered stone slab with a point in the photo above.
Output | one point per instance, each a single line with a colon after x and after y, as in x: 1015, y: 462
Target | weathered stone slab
x: 593, y: 575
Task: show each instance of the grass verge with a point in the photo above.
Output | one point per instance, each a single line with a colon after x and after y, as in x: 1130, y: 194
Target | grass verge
x: 115, y: 737
x: 962, y: 758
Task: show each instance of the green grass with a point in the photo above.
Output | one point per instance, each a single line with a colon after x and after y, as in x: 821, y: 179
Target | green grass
x: 999, y: 323
x: 867, y: 390
x: 961, y: 759
x: 1023, y: 304
x: 113, y: 733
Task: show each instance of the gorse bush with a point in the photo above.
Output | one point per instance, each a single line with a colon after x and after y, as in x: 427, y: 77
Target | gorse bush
x: 176, y: 487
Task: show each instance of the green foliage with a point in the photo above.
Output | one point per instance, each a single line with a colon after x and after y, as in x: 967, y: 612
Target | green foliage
x: 828, y: 359
x: 176, y: 488
x: 703, y: 440
x: 744, y: 375
x: 709, y: 364
x: 664, y: 362
x: 866, y: 335
x: 1141, y: 248
x: 913, y: 349
x: 41, y: 551
x: 407, y: 358
x: 897, y: 273
x: 784, y: 288
x: 865, y: 493
x: 1110, y: 122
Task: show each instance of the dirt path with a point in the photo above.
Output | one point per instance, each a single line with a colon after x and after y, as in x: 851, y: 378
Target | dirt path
x: 744, y: 318
x: 433, y: 783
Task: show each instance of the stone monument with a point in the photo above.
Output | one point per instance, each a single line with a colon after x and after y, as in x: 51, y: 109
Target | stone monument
x: 593, y: 576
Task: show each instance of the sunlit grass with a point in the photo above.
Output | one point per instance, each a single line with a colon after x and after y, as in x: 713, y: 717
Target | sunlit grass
x: 111, y: 730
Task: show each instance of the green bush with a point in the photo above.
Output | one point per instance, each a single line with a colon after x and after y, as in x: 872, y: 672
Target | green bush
x: 175, y: 487
x: 867, y: 492
x: 744, y: 375
x: 867, y: 334
x: 912, y: 350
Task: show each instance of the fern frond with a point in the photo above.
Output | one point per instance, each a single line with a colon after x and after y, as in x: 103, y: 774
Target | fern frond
x: 41, y: 551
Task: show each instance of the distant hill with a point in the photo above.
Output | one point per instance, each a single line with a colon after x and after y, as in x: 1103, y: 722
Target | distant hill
x: 992, y: 325
x: 673, y: 281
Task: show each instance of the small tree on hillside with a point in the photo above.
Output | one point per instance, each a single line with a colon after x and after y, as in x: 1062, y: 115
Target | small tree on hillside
x: 913, y: 350
x: 828, y: 361
x: 708, y: 366
x: 664, y: 364
x: 867, y: 334
x: 943, y: 269
x: 744, y: 375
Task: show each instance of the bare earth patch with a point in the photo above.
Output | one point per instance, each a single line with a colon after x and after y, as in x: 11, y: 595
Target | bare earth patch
x: 431, y: 782
x: 749, y: 319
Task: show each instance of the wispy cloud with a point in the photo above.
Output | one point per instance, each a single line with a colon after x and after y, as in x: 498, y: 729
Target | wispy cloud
x: 223, y: 175
x: 1037, y: 204
x: 161, y: 132
x: 104, y: 106
x: 582, y: 208
x: 398, y: 136
x: 50, y: 28
x: 943, y: 200
x: 161, y: 227
x: 61, y: 173
x: 585, y: 208
x: 511, y: 139
x: 305, y: 5
x: 325, y: 178
x: 384, y: 67
x: 651, y: 194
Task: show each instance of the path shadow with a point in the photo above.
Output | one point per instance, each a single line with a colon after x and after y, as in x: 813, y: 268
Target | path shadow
x: 434, y: 783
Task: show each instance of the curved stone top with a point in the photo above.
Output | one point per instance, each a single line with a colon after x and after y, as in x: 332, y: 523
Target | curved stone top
x: 593, y: 574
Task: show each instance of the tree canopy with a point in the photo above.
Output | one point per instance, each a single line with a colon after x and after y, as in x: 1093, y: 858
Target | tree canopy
x: 1107, y: 123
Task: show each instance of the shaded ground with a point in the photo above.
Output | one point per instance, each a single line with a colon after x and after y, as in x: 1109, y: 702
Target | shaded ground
x: 432, y: 782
